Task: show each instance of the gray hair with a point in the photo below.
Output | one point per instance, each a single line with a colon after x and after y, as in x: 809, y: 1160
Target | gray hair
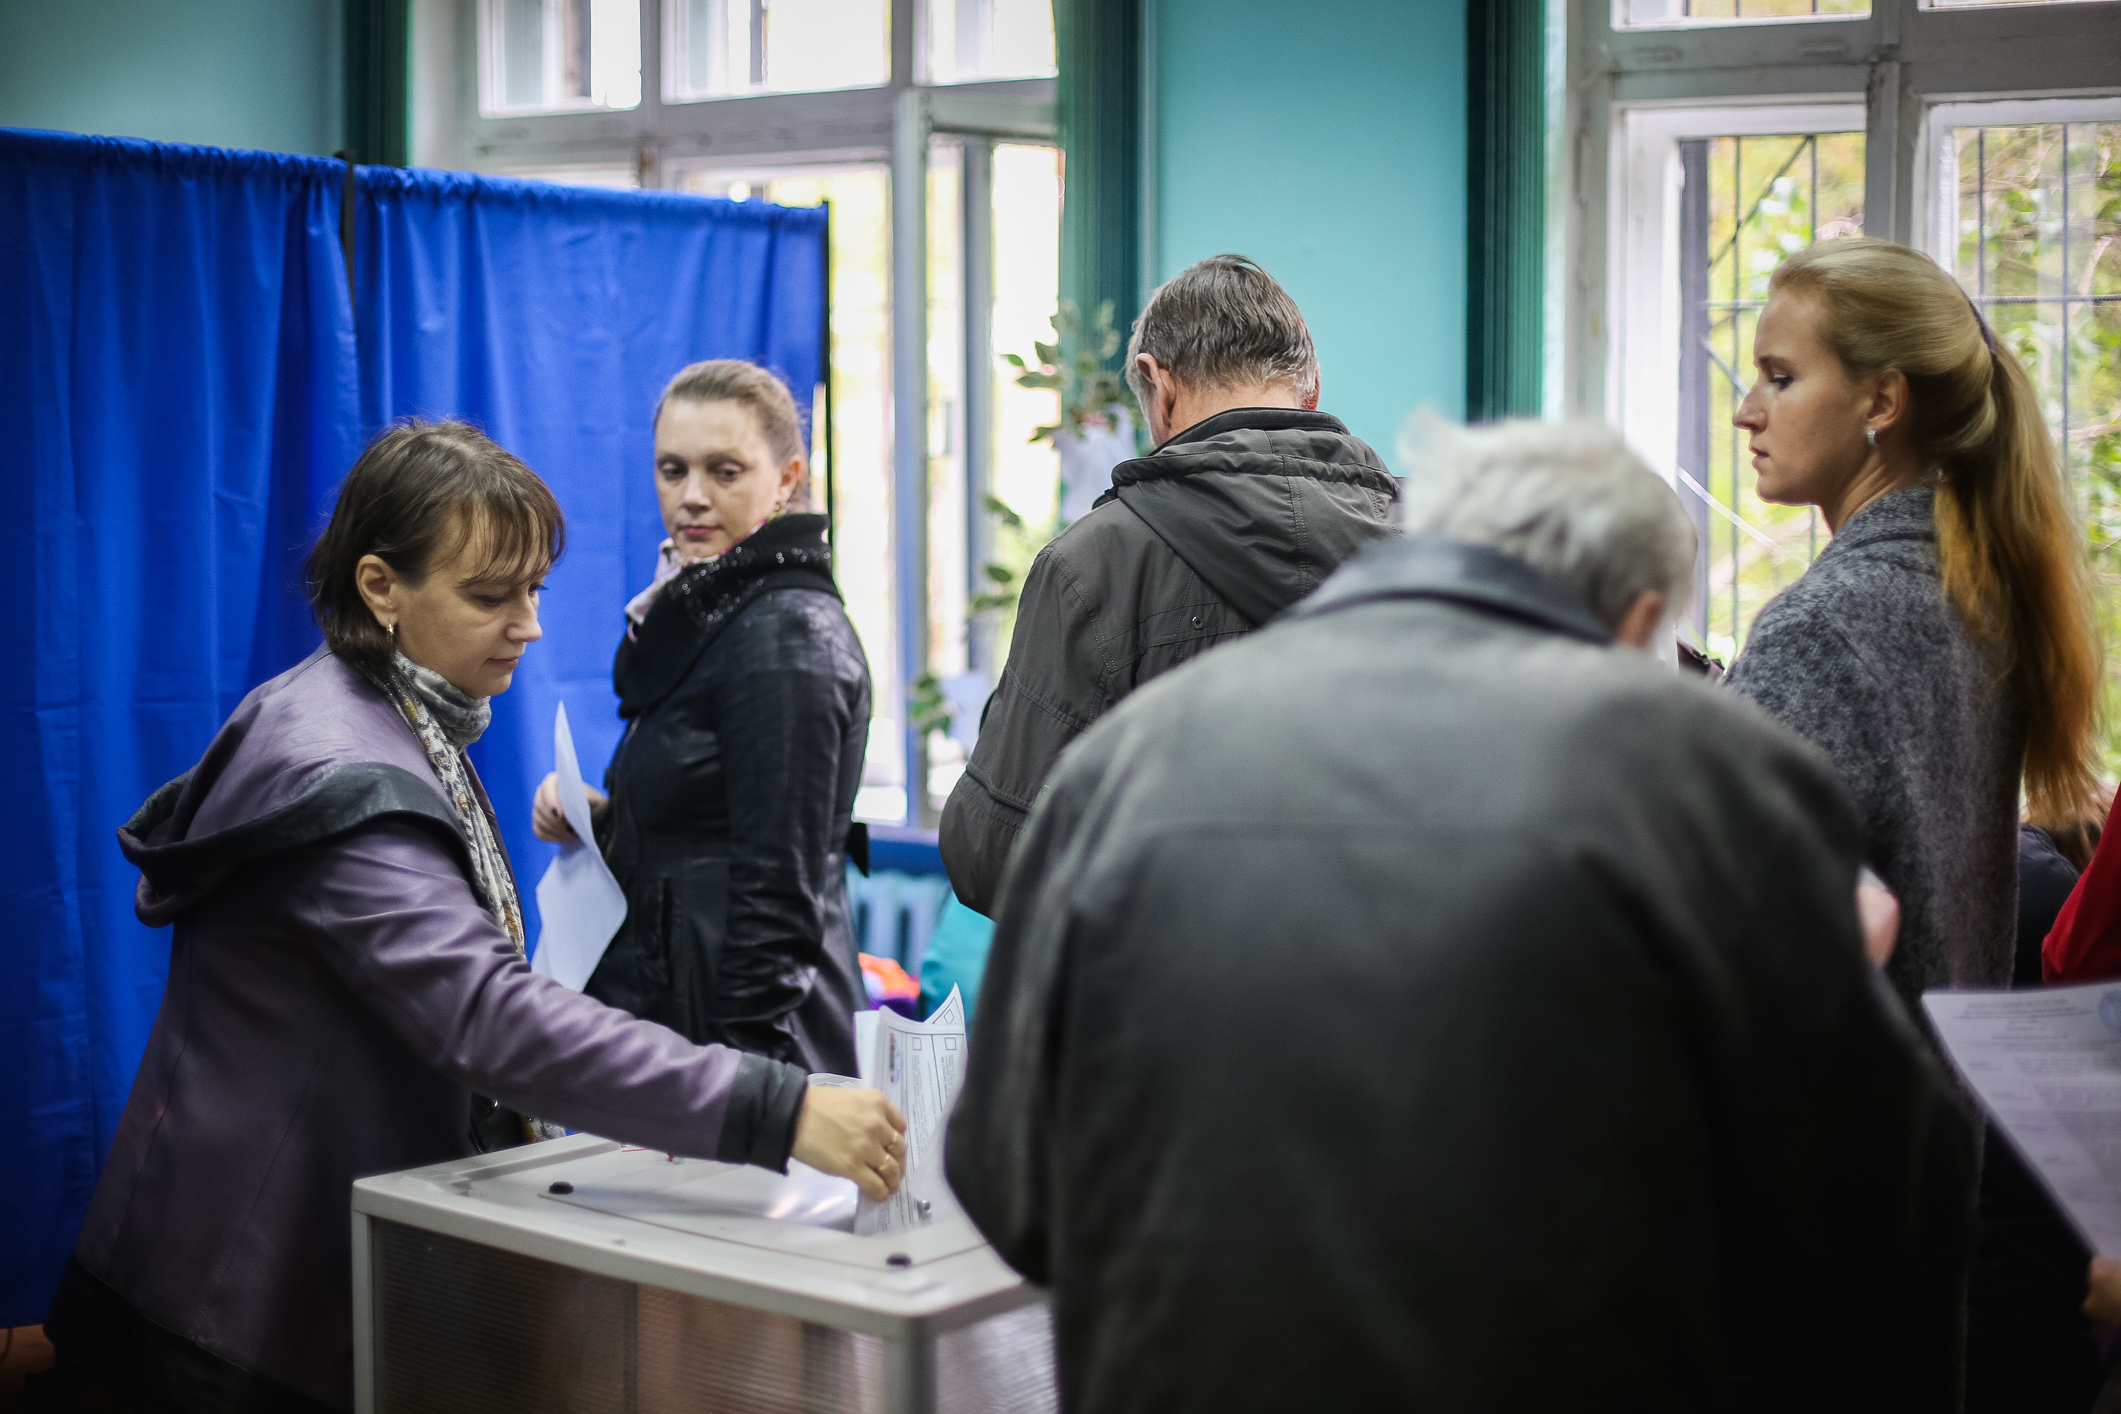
x: 1224, y: 321
x: 1570, y: 499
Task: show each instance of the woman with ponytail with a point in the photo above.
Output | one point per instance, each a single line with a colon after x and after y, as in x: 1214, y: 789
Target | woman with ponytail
x: 1941, y: 649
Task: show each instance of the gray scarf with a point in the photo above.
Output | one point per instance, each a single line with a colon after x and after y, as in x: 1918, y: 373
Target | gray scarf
x: 447, y: 719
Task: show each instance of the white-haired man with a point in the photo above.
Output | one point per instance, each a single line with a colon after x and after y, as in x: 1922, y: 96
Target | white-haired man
x: 1431, y: 1003
x: 1250, y: 500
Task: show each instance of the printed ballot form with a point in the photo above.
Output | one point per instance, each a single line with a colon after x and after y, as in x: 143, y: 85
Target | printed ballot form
x: 580, y: 905
x: 2047, y: 1066
x: 919, y: 1066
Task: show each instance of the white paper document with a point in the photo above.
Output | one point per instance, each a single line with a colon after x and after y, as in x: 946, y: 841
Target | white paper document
x: 919, y: 1066
x: 2047, y: 1066
x: 579, y: 904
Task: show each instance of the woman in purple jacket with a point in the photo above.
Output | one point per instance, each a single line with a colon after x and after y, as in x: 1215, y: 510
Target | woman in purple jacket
x: 347, y: 974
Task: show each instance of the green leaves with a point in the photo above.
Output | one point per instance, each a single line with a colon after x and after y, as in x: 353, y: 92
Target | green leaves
x: 1073, y: 365
x: 1003, y: 512
x: 932, y: 712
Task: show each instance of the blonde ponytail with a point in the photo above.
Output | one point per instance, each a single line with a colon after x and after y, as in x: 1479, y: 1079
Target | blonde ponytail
x: 2009, y: 548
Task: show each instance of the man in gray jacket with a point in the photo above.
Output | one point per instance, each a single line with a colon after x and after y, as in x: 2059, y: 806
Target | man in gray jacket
x: 1429, y: 1004
x: 1251, y: 498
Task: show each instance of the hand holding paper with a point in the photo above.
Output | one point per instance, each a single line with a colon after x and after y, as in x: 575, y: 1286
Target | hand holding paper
x: 581, y: 903
x: 919, y: 1066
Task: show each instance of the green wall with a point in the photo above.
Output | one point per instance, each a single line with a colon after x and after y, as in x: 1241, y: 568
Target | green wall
x: 228, y: 73
x: 1328, y: 142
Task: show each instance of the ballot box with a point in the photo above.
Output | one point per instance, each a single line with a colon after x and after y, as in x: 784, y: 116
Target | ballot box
x: 585, y: 1275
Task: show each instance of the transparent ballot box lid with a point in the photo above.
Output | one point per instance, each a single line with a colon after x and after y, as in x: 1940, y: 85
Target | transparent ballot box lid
x: 581, y: 1274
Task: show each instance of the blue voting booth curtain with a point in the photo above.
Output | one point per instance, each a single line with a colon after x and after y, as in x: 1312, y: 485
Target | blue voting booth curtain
x: 181, y: 389
x: 176, y: 399
x: 552, y: 317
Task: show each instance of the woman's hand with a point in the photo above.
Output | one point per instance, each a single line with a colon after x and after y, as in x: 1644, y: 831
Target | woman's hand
x: 1879, y: 912
x: 548, y: 821
x: 855, y: 1134
x: 2102, y: 1298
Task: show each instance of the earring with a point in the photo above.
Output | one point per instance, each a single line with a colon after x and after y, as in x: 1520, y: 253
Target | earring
x: 392, y: 629
x: 1870, y: 436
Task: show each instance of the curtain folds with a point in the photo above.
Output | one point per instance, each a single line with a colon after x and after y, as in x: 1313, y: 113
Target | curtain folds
x: 1099, y: 112
x: 184, y: 383
x: 1506, y: 207
x: 176, y: 400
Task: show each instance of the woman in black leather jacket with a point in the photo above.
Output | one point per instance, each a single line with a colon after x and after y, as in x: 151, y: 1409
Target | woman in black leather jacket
x: 746, y: 695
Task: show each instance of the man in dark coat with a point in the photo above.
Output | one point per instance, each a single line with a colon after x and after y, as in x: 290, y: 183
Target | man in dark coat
x: 1428, y: 1004
x: 1250, y: 500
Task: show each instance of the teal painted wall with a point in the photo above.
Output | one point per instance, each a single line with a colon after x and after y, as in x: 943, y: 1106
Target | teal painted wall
x: 1327, y: 141
x: 227, y: 73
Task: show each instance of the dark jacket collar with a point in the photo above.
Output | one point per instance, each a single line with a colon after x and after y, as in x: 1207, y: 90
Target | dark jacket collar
x: 787, y: 552
x: 1254, y: 420
x: 1472, y: 576
x: 1262, y: 503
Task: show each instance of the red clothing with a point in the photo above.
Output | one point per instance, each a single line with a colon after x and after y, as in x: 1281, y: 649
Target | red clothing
x: 2085, y: 943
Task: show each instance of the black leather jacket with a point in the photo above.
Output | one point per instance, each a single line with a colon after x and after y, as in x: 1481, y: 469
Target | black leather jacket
x: 731, y: 798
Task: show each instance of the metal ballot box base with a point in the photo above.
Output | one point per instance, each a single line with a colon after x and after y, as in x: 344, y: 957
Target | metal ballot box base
x: 582, y: 1275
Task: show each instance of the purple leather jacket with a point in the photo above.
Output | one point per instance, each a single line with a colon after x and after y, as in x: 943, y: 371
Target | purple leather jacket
x: 336, y: 996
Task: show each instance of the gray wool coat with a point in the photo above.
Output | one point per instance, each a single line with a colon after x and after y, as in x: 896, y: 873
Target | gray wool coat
x: 1866, y: 658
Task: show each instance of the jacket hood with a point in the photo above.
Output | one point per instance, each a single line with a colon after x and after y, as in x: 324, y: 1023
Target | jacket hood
x: 1262, y: 503
x: 310, y: 755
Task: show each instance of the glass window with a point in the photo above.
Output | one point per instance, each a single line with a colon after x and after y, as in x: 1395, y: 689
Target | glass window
x: 1710, y: 12
x: 969, y: 40
x: 1746, y: 204
x: 727, y: 48
x: 544, y: 56
x: 584, y: 175
x: 2038, y: 226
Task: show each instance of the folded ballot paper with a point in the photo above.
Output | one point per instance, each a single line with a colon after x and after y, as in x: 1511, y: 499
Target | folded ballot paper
x: 919, y: 1066
x: 580, y: 906
x: 2047, y: 1066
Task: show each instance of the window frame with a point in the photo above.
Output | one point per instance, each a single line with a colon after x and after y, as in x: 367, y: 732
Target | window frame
x: 1906, y: 60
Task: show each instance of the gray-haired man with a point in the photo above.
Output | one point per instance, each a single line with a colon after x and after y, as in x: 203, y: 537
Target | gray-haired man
x: 1251, y: 498
x: 1426, y: 1004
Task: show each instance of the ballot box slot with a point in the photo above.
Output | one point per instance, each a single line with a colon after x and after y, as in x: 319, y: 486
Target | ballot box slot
x: 802, y: 1212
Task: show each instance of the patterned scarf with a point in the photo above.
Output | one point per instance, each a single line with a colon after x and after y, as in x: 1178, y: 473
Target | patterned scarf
x: 446, y: 720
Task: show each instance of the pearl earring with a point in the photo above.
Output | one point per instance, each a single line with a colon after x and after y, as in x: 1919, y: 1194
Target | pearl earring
x: 1870, y: 435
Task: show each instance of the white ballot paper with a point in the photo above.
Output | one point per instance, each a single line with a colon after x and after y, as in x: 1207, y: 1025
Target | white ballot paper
x: 580, y: 905
x: 2047, y: 1065
x: 918, y: 1065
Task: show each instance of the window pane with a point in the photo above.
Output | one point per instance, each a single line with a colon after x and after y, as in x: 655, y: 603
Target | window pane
x: 1708, y: 12
x: 1747, y: 204
x: 584, y: 175
x: 970, y: 40
x: 2039, y: 221
x: 1023, y: 474
x: 545, y: 56
x: 722, y: 48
